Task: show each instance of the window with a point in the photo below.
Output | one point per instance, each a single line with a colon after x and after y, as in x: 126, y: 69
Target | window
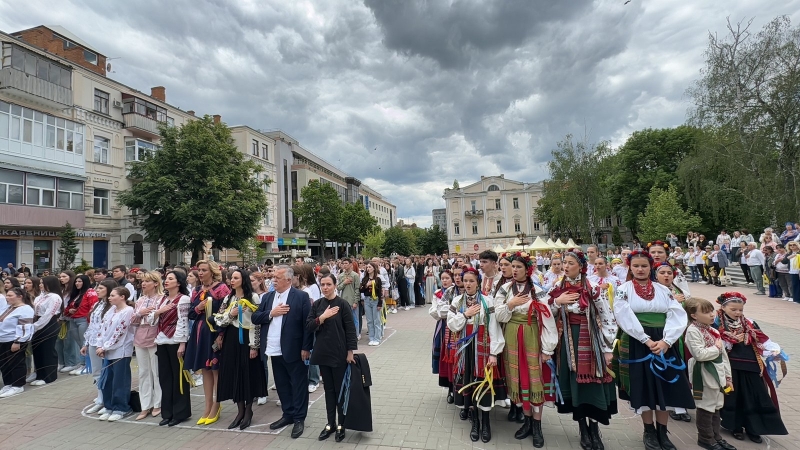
x: 90, y: 57
x: 606, y: 222
x: 265, y: 151
x: 101, y: 101
x: 11, y: 186
x: 474, y: 227
x: 493, y: 188
x: 101, y: 202
x: 255, y: 147
x: 499, y: 226
x: 135, y: 105
x: 31, y: 126
x: 100, y: 150
x: 517, y: 228
x: 36, y: 65
x: 497, y: 203
x: 472, y: 203
x: 536, y: 226
x: 516, y: 203
x: 41, y: 190
x: 70, y: 194
x: 138, y: 150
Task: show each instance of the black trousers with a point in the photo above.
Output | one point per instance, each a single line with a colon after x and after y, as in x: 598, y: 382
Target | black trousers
x: 333, y: 377
x: 12, y: 364
x: 45, y: 357
x: 174, y: 405
x: 291, y: 382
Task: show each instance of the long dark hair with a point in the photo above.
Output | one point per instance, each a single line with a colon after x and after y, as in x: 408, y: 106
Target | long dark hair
x: 76, y: 296
x: 67, y: 289
x: 109, y: 284
x: 22, y: 293
x: 247, y: 287
x: 181, y: 276
x: 51, y: 284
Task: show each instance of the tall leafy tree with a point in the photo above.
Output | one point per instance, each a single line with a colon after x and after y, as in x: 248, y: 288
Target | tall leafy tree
x: 373, y: 243
x: 197, y: 188
x: 69, y: 248
x: 357, y: 222
x: 397, y: 241
x: 433, y: 242
x: 664, y: 215
x: 319, y: 211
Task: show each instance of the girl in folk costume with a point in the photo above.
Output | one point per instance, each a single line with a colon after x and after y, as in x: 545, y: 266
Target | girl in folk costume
x: 710, y: 371
x: 650, y: 372
x: 531, y: 336
x: 555, y: 273
x: 660, y: 253
x: 753, y: 404
x: 442, y: 338
x: 604, y: 279
x: 480, y: 340
x: 586, y: 330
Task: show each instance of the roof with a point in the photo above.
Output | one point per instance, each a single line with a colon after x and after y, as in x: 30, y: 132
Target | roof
x: 68, y: 34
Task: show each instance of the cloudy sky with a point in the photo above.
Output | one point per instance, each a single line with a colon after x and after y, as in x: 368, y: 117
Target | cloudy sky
x: 445, y: 89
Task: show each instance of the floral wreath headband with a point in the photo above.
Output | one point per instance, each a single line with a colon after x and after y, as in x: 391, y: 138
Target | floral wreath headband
x: 729, y: 297
x: 658, y: 244
x: 474, y: 271
x: 640, y: 254
x: 665, y: 264
x: 579, y: 256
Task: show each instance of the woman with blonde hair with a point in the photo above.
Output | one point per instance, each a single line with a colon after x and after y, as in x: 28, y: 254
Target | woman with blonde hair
x: 144, y: 319
x: 203, y: 347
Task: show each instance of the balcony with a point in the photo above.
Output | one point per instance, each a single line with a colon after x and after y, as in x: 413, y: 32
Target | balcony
x: 473, y: 213
x: 141, y: 125
x: 16, y: 83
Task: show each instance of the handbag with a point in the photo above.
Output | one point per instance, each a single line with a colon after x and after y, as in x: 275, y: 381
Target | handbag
x: 135, y: 403
x: 724, y: 278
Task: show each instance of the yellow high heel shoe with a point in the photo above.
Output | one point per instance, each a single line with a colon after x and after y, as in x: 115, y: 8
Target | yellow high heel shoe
x: 202, y: 421
x: 211, y: 420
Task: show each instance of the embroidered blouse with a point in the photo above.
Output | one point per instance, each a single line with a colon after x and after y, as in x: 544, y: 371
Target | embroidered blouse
x: 181, y: 324
x: 627, y: 303
x: 224, y: 319
x: 440, y: 304
x: 456, y: 321
x: 608, y: 323
x: 548, y: 331
x: 116, y: 337
x: 16, y: 324
x: 145, y: 325
x: 95, y: 327
x: 46, y: 306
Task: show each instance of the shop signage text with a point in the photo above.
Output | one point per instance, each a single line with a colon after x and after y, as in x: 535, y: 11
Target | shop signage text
x: 21, y: 232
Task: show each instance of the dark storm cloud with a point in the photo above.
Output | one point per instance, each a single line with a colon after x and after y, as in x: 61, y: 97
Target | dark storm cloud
x: 445, y: 89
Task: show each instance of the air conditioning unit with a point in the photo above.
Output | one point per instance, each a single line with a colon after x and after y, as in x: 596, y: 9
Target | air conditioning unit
x: 117, y: 104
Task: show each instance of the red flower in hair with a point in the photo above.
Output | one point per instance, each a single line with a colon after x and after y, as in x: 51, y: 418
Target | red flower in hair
x: 658, y: 244
x: 731, y: 296
x: 640, y: 254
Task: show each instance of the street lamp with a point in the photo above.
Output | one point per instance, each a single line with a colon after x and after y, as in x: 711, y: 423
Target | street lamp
x: 521, y: 237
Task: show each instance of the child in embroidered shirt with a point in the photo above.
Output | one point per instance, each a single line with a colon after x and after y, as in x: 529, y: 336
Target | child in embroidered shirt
x: 710, y: 372
x: 115, y: 346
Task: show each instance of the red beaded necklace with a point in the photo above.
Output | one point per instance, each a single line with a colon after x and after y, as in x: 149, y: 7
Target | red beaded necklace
x: 646, y: 292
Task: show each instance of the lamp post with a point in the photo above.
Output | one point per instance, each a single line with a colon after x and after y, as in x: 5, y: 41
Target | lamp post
x: 521, y: 237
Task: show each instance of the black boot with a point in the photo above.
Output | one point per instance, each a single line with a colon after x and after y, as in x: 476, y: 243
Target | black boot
x: 464, y: 413
x: 512, y: 413
x: 650, y: 437
x: 586, y: 438
x: 594, y: 433
x: 538, y: 438
x: 520, y: 415
x: 248, y: 416
x: 663, y: 439
x: 450, y: 398
x: 525, y: 430
x: 474, y: 433
x: 486, y: 429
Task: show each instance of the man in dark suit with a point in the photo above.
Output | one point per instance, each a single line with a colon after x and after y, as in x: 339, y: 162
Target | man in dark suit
x: 286, y: 341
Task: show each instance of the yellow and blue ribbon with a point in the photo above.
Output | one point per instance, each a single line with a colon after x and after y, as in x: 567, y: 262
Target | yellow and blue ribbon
x: 659, y: 364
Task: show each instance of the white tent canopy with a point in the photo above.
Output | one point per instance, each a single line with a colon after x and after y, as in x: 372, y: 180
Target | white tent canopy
x: 540, y: 244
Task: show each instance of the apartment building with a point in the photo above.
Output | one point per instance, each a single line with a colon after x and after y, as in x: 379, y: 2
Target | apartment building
x: 439, y: 217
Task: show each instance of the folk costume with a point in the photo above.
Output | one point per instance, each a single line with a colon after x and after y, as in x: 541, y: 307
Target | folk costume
x: 648, y: 381
x: 173, y: 329
x: 478, y: 338
x: 586, y: 331
x: 529, y: 331
x: 753, y: 404
x: 199, y: 351
x: 442, y: 361
x: 241, y: 377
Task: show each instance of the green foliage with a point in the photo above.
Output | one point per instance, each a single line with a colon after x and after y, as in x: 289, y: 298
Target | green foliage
x: 664, y: 215
x: 373, y: 243
x: 357, y: 222
x: 397, y: 241
x: 433, y: 242
x: 197, y: 188
x: 319, y: 212
x: 616, y: 237
x: 251, y: 252
x: 83, y: 267
x: 69, y: 248
x: 415, y: 238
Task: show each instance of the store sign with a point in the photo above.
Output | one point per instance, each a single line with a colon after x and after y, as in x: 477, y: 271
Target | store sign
x: 22, y: 232
x: 293, y: 241
x: 91, y: 234
x: 265, y: 238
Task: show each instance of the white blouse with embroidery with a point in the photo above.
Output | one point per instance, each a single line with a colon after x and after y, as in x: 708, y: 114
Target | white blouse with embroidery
x: 549, y: 331
x: 627, y: 303
x: 456, y: 321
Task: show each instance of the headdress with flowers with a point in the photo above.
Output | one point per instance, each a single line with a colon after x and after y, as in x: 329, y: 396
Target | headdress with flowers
x: 579, y: 256
x: 659, y: 265
x: 640, y: 254
x: 524, y: 258
x: 658, y: 244
x: 508, y: 256
x: 728, y: 297
x: 472, y: 270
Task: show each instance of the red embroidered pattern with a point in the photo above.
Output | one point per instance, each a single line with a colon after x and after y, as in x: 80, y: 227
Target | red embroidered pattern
x: 646, y: 292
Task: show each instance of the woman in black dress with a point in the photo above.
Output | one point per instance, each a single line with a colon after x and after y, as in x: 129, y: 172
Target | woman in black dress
x: 241, y: 374
x: 335, y: 340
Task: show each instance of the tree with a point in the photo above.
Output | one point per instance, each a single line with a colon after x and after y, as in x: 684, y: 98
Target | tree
x: 574, y: 202
x: 665, y: 215
x: 433, y: 242
x: 396, y: 241
x: 197, y: 188
x: 69, y: 248
x: 373, y: 243
x: 415, y: 237
x: 319, y: 211
x: 251, y: 252
x: 357, y: 222
x: 616, y: 237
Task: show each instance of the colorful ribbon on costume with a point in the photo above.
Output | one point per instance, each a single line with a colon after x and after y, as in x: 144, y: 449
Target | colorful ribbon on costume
x: 659, y: 363
x: 62, y: 333
x: 554, y: 386
x: 345, y: 390
x: 241, y: 304
x: 542, y: 310
x: 482, y: 387
x: 208, y: 311
x: 772, y: 367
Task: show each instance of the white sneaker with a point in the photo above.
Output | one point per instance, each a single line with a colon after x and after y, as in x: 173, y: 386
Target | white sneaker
x: 262, y: 400
x: 67, y: 369
x: 278, y: 403
x: 312, y: 387
x: 11, y: 391
x: 407, y: 308
x: 394, y: 310
x: 114, y: 417
x: 5, y: 388
x: 198, y: 379
x: 60, y: 366
x: 272, y: 388
x: 377, y: 343
x: 358, y: 337
x: 31, y: 377
x: 103, y: 411
x: 38, y: 383
x: 77, y: 370
x: 94, y: 409
x: 105, y: 416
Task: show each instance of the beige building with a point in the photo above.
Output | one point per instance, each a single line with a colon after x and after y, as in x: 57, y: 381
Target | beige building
x: 490, y: 212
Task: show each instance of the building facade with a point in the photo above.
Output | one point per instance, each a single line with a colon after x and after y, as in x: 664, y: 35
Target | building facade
x: 491, y: 212
x: 439, y: 216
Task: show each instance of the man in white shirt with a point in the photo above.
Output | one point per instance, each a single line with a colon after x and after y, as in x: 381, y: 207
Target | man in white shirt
x: 591, y: 255
x: 755, y: 261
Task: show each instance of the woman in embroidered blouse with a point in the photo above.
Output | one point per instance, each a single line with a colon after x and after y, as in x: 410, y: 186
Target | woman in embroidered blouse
x: 144, y: 321
x: 33, y: 287
x: 76, y: 312
x: 92, y: 335
x: 47, y: 309
x: 471, y: 318
x: 202, y: 348
x: 554, y: 273
x: 241, y: 372
x: 16, y: 329
x: 68, y: 358
x: 650, y: 322
x: 173, y: 332
x: 530, y: 335
x: 440, y: 306
x: 115, y: 346
x: 586, y: 330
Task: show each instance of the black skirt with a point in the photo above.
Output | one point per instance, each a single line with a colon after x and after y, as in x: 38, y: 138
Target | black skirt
x: 749, y: 406
x: 241, y: 378
x: 468, y: 376
x: 646, y: 389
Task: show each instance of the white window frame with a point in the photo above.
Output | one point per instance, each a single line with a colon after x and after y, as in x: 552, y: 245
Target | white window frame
x: 517, y: 227
x: 456, y: 228
x: 474, y: 227
x: 39, y: 192
x: 8, y: 187
x: 139, y: 150
x: 101, y: 155
x: 75, y: 197
x: 100, y: 203
x: 516, y: 202
x: 499, y: 224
